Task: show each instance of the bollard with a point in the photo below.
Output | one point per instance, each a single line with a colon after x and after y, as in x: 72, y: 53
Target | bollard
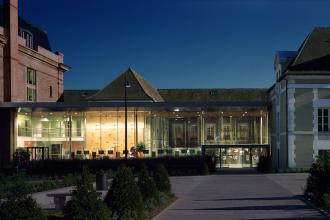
x: 101, y: 181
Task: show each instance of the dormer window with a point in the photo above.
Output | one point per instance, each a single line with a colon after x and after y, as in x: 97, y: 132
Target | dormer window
x: 213, y: 92
x: 27, y: 35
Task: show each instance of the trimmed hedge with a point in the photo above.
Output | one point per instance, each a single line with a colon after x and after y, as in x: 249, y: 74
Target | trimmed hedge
x: 85, y: 202
x: 124, y: 197
x: 318, y: 182
x: 265, y: 164
x: 161, y: 179
x: 175, y: 165
x: 147, y: 187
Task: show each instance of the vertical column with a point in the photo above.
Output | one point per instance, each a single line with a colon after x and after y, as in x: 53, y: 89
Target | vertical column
x: 11, y: 52
x: 261, y: 129
x: 136, y: 126
x: 202, y: 129
x: 85, y: 132
x: 291, y: 127
x: 315, y: 123
x: 70, y: 130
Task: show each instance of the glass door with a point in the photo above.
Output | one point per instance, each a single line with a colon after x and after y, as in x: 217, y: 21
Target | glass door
x: 232, y: 157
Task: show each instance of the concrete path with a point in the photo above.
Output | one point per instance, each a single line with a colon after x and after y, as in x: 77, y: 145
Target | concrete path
x: 240, y: 196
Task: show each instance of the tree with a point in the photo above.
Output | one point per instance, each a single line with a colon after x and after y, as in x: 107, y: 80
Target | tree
x: 162, y: 180
x: 318, y: 181
x: 85, y: 202
x: 18, y: 203
x: 148, y: 189
x: 124, y: 197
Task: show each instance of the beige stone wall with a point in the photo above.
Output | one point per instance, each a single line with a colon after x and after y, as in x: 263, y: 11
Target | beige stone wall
x: 304, y: 151
x: 283, y: 113
x: 324, y: 80
x: 303, y: 110
x: 324, y: 93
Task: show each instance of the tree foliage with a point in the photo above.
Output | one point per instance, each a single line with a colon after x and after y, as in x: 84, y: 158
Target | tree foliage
x: 124, y: 197
x: 161, y: 179
x: 85, y: 203
x: 18, y: 203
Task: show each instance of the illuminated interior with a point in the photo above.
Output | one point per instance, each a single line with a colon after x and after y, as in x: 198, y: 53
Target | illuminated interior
x: 99, y: 133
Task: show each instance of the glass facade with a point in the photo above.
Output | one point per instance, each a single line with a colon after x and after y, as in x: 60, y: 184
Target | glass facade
x: 100, y: 132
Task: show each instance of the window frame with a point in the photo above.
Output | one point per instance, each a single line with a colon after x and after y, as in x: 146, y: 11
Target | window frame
x: 33, y: 94
x: 323, y: 120
x: 31, y: 80
x: 28, y: 36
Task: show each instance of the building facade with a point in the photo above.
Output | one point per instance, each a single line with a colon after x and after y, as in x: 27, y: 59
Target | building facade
x: 29, y: 70
x: 299, y: 102
x: 288, y: 121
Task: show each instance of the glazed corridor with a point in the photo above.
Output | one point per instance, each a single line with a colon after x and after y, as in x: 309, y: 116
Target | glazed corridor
x: 101, y: 133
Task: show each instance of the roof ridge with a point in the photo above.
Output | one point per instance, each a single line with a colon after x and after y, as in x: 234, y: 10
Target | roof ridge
x: 301, y: 48
x: 144, y: 83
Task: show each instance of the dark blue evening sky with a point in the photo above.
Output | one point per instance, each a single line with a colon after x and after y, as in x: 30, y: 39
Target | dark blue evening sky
x: 175, y: 43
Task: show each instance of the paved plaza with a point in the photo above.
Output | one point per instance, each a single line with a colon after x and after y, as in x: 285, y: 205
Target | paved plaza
x: 240, y: 196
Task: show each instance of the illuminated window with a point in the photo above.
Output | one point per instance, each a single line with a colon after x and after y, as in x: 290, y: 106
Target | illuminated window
x: 31, y: 94
x: 31, y: 76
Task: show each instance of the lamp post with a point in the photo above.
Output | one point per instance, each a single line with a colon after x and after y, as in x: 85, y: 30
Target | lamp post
x: 126, y: 85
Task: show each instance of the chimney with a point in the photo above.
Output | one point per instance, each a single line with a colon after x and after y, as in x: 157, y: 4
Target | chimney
x: 11, y: 50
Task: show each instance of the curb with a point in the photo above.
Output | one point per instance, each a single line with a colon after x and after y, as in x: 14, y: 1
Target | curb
x: 167, y: 208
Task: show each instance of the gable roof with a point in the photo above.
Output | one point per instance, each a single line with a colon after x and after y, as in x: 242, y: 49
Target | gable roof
x: 139, y: 89
x: 314, y: 53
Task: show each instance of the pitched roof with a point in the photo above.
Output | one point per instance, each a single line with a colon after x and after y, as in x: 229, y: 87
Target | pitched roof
x: 229, y: 95
x: 139, y: 89
x: 77, y: 95
x: 314, y: 53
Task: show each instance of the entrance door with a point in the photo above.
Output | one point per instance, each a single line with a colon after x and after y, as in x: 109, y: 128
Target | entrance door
x: 232, y: 157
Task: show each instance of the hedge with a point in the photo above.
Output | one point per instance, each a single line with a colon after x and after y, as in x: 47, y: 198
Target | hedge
x: 175, y: 165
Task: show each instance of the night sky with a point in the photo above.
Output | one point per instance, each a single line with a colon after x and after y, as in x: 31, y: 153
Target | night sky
x: 175, y: 43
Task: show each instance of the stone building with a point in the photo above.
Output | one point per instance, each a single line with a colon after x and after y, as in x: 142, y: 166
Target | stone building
x: 288, y: 121
x: 29, y: 70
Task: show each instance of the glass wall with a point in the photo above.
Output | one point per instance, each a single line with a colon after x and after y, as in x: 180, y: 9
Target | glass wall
x: 100, y: 132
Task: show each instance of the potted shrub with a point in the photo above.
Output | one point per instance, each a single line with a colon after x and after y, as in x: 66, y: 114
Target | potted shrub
x: 140, y: 148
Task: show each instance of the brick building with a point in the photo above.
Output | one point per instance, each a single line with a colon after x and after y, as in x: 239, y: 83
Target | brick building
x: 29, y: 70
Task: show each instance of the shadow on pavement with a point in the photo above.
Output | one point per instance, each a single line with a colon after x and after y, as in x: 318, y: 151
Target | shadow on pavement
x: 244, y: 208
x: 254, y: 198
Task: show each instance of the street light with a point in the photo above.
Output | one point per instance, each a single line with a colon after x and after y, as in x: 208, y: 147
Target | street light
x: 126, y: 85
